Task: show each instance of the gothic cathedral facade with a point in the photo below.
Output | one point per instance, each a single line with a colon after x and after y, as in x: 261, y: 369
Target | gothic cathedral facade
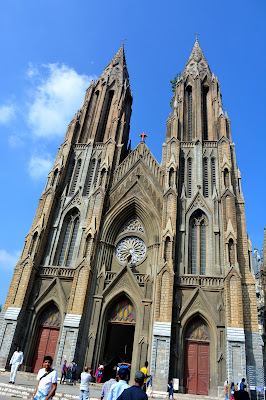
x: 131, y: 260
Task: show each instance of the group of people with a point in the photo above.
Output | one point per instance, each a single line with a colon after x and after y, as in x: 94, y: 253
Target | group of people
x: 233, y: 394
x: 71, y: 368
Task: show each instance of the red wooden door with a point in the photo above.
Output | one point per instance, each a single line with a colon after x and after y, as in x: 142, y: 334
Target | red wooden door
x: 196, y: 373
x: 46, y: 345
x: 203, y: 368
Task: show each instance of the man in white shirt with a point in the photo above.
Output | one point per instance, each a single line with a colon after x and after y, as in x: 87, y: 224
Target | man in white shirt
x: 47, y: 381
x: 118, y: 387
x: 84, y: 390
x: 15, y: 364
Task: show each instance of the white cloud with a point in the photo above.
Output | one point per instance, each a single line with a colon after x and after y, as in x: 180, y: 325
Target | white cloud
x: 56, y: 100
x: 7, y: 260
x: 40, y: 166
x: 32, y: 71
x: 7, y: 113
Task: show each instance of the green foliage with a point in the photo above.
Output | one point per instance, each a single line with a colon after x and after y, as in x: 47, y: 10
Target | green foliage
x: 173, y: 82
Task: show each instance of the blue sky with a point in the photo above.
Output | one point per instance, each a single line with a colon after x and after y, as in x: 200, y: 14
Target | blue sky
x: 50, y: 50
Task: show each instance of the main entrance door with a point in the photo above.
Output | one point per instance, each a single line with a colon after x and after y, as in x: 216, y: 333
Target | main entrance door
x: 197, y: 359
x: 119, y: 336
x: 47, y: 337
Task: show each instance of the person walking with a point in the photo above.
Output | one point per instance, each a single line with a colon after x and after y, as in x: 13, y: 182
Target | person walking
x: 226, y: 388
x: 47, y: 381
x: 171, y: 389
x: 106, y: 388
x: 232, y: 391
x: 149, y: 387
x: 85, y: 378
x: 63, y: 372
x: 99, y: 373
x: 145, y: 372
x: 242, y: 384
x: 118, y: 387
x: 15, y: 364
x: 135, y: 392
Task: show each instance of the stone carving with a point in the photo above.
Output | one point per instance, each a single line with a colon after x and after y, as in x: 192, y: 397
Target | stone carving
x: 130, y: 249
x: 133, y: 225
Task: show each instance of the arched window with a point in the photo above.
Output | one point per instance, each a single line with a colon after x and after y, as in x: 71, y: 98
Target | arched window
x: 197, y: 243
x: 213, y: 171
x: 70, y: 228
x: 171, y: 177
x: 226, y: 177
x: 89, y: 177
x: 96, y: 173
x: 54, y: 177
x: 167, y: 249
x: 75, y: 178
x: 205, y: 177
x: 189, y: 109
x: 205, y: 90
x: 70, y: 174
x: 231, y: 252
x: 182, y: 172
x: 189, y: 177
x: 33, y: 243
x: 106, y: 115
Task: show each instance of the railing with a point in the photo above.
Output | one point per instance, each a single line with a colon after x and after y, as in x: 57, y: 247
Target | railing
x: 80, y: 146
x: 57, y: 271
x: 140, y: 278
x: 140, y: 152
x: 196, y: 280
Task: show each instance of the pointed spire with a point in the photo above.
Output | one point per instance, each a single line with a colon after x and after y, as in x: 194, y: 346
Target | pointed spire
x: 197, y: 56
x: 119, y: 57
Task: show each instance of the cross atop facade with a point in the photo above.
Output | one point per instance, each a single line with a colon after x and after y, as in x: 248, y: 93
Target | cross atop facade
x: 143, y: 135
x: 196, y: 35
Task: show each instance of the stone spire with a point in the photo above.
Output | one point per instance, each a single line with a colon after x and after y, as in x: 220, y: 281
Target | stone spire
x: 197, y: 63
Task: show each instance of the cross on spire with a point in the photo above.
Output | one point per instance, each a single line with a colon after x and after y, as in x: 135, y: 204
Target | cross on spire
x: 196, y: 35
x: 143, y: 135
x: 123, y: 40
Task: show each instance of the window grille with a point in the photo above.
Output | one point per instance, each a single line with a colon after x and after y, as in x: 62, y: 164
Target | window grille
x: 106, y: 115
x: 72, y: 242
x: 189, y: 177
x: 65, y: 241
x: 193, y: 248
x: 75, y: 179
x: 213, y: 173
x: 97, y: 172
x: 90, y: 176
x: 182, y: 172
x: 205, y: 178
x: 70, y: 174
x: 189, y: 92
x: 202, y: 248
x: 205, y: 113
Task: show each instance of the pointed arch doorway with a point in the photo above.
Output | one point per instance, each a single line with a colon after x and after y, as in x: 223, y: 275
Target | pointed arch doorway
x: 197, y: 358
x: 120, y: 332
x: 48, y: 333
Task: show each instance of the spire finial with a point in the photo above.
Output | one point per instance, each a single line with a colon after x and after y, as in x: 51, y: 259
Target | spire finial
x: 143, y: 135
x: 123, y: 41
x: 196, y: 36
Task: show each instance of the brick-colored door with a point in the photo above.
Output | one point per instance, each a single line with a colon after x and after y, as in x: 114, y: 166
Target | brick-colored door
x: 46, y: 345
x: 196, y: 373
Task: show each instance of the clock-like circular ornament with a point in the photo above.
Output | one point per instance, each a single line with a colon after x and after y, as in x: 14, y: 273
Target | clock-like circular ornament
x: 130, y: 249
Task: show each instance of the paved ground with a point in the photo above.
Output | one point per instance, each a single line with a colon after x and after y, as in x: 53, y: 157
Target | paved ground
x: 29, y: 380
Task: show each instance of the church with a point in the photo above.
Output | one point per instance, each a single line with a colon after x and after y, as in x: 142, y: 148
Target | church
x: 131, y: 260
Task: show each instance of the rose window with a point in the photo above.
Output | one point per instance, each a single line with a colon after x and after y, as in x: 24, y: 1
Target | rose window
x: 130, y: 249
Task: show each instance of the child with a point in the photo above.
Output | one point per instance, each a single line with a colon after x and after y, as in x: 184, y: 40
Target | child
x: 232, y: 391
x: 171, y: 389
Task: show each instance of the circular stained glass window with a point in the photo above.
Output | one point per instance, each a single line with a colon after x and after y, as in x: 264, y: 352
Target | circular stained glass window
x: 131, y: 249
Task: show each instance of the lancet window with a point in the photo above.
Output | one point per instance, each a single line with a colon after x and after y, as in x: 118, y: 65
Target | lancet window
x: 213, y: 172
x: 106, y: 115
x: 189, y: 177
x: 75, y: 178
x: 189, y: 106
x: 90, y: 177
x: 205, y: 90
x: 70, y: 231
x: 205, y: 178
x: 197, y: 238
